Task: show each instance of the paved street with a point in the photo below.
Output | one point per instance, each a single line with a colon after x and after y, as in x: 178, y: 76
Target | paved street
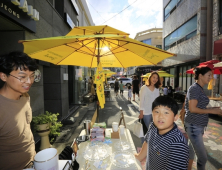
x: 212, y: 137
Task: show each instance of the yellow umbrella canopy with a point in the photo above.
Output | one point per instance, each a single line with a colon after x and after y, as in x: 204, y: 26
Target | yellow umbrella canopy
x: 94, y: 30
x: 86, y: 50
x: 108, y: 72
x: 145, y: 78
x: 161, y: 74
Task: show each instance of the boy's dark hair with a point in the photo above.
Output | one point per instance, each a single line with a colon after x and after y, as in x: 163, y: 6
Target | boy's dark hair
x: 166, y: 101
x: 121, y: 82
x: 15, y: 60
x: 129, y: 87
x: 200, y: 70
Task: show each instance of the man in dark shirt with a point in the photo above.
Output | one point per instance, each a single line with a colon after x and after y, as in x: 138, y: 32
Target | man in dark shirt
x: 136, y: 85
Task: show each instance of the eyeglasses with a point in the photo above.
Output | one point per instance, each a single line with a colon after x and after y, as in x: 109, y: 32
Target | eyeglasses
x: 24, y: 79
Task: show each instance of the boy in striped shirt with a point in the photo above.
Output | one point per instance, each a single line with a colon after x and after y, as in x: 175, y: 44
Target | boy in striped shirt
x: 165, y: 147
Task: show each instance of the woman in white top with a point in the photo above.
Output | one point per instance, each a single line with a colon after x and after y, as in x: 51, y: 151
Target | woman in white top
x: 148, y: 93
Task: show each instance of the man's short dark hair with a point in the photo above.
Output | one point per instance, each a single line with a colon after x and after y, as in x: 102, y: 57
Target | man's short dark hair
x: 15, y: 60
x: 166, y: 101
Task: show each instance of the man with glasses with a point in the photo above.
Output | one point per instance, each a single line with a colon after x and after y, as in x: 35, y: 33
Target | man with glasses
x: 17, y: 146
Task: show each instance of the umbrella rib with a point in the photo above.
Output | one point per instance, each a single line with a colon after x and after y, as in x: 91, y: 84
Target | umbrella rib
x: 129, y: 50
x: 84, y: 30
x: 132, y: 51
x: 83, y: 45
x: 117, y: 58
x: 154, y: 48
x: 102, y: 30
x: 71, y: 53
x: 78, y: 50
x: 86, y: 46
x: 94, y: 53
x: 115, y: 49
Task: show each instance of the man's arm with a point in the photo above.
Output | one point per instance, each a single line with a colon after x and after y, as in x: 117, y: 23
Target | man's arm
x: 143, y: 153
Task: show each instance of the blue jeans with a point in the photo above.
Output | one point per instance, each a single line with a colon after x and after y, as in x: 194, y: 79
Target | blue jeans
x: 147, y: 120
x: 196, y: 145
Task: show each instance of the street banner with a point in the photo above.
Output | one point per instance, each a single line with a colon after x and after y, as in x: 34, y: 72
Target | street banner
x: 99, y: 85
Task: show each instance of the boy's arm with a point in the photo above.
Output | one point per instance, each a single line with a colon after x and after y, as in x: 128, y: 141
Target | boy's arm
x: 143, y: 153
x: 178, y: 156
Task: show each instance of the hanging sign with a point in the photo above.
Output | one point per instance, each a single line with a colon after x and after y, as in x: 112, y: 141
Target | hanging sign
x: 20, y: 12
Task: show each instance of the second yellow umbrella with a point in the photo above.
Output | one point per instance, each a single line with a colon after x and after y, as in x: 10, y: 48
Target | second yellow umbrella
x: 161, y: 74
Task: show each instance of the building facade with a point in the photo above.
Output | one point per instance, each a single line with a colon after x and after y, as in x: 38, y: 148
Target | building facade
x: 217, y: 36
x: 151, y: 37
x: 58, y: 89
x: 185, y: 34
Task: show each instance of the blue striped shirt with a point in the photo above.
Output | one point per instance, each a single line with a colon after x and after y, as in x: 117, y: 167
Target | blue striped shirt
x: 168, y: 151
x: 195, y: 92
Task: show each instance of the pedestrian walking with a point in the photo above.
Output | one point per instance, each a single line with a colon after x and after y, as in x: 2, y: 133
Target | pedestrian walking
x: 116, y: 87
x: 135, y: 86
x: 165, y: 91
x: 90, y: 83
x: 121, y: 87
x: 196, y: 118
x: 148, y: 93
x: 129, y: 93
x: 17, y: 145
x: 170, y: 91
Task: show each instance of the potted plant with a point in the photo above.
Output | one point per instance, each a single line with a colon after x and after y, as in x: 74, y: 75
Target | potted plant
x: 45, y: 125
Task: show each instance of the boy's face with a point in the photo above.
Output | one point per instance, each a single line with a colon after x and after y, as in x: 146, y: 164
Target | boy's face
x: 18, y: 82
x: 163, y: 118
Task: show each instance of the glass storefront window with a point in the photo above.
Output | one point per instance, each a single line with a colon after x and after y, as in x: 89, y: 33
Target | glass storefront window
x: 193, y: 81
x: 147, y: 41
x: 189, y: 76
x: 172, y: 71
x: 185, y: 32
x: 169, y: 8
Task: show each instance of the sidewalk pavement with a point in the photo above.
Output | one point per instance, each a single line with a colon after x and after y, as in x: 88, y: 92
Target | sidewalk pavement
x: 111, y: 113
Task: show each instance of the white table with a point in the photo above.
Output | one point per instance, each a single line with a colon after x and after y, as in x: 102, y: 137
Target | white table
x: 132, y: 150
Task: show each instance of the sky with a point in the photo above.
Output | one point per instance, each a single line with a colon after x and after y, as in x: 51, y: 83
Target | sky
x: 139, y: 16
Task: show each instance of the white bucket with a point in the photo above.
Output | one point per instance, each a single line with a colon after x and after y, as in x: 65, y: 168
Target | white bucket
x: 46, y: 159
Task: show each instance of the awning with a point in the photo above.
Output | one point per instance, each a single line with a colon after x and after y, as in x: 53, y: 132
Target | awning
x: 218, y: 47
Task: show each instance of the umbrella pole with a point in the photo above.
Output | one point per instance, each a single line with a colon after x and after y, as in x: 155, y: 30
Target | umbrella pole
x: 98, y: 60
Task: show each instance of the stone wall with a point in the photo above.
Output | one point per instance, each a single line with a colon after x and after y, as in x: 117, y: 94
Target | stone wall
x: 215, y: 34
x: 51, y: 93
x: 195, y: 47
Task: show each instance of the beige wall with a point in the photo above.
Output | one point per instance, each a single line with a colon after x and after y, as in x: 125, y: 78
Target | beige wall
x: 156, y: 38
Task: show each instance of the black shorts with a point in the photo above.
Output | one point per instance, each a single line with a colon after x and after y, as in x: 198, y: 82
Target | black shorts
x: 121, y: 91
x: 136, y: 90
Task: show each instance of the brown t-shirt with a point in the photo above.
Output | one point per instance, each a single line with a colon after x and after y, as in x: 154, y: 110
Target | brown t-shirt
x: 17, y: 146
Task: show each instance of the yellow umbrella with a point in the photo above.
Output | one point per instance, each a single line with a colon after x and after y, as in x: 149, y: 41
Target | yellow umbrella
x: 161, y: 74
x: 113, y: 50
x: 108, y: 72
x: 93, y: 30
x: 145, y: 78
